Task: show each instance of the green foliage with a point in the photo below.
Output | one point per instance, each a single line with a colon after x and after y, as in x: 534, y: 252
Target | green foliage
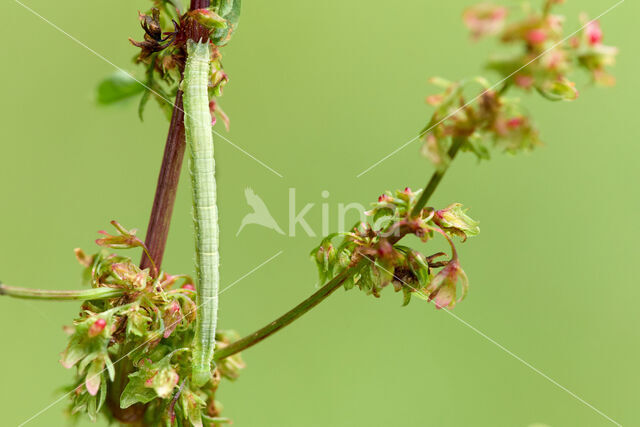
x: 118, y: 87
x: 163, y: 52
x: 387, y: 263
x: 230, y: 11
x: 152, y: 326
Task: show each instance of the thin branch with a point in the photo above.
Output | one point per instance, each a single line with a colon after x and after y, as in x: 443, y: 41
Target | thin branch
x: 282, y: 321
x: 84, y: 294
x: 437, y: 176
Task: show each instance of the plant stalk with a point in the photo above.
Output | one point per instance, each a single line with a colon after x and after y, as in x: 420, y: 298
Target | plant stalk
x: 458, y: 141
x: 199, y: 4
x: 165, y: 197
x: 284, y: 320
x: 45, y: 294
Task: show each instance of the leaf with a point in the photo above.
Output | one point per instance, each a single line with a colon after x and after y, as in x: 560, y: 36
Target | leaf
x: 72, y: 355
x: 192, y: 405
x: 143, y: 103
x: 559, y: 90
x: 209, y: 18
x: 125, y: 239
x: 229, y: 10
x: 117, y: 87
x: 101, y: 397
x: 420, y: 268
x: 136, y: 391
x: 110, y: 368
x: 382, y: 218
x: 406, y: 296
x: 94, y: 376
x: 454, y: 217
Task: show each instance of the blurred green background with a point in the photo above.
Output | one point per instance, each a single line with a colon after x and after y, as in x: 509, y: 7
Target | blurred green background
x: 319, y: 92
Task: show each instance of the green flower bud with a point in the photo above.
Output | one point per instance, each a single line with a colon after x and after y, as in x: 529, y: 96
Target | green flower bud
x: 164, y: 382
x: 325, y: 257
x: 454, y: 218
x: 560, y: 90
x: 209, y: 18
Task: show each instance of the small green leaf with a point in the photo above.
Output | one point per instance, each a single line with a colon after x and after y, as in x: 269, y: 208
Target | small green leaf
x: 559, y: 90
x: 72, y: 355
x: 209, y: 18
x: 229, y: 10
x: 406, y: 296
x: 136, y: 391
x: 455, y: 218
x: 143, y: 103
x: 118, y: 87
x: 94, y: 376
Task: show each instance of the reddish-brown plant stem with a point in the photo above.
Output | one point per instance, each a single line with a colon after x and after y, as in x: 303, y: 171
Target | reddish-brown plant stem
x: 199, y: 4
x: 165, y: 197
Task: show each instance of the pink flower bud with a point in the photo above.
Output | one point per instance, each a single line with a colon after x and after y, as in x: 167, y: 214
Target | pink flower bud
x: 524, y: 81
x: 536, y: 36
x: 189, y: 287
x: 172, y: 318
x: 484, y: 19
x: 442, y: 289
x: 97, y: 327
x: 594, y: 33
x: 515, y: 122
x: 407, y: 190
x: 435, y: 99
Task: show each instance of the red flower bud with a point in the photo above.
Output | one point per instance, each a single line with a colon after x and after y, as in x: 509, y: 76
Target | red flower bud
x: 594, y: 33
x: 515, y: 122
x: 536, y: 36
x: 97, y: 327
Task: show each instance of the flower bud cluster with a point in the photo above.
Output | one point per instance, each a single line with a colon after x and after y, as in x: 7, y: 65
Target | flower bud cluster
x: 545, y: 56
x: 543, y: 62
x: 162, y: 50
x: 371, y: 250
x: 492, y: 121
x: 154, y: 322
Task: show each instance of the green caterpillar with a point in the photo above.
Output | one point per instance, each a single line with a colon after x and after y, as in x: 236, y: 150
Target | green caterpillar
x: 199, y: 138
